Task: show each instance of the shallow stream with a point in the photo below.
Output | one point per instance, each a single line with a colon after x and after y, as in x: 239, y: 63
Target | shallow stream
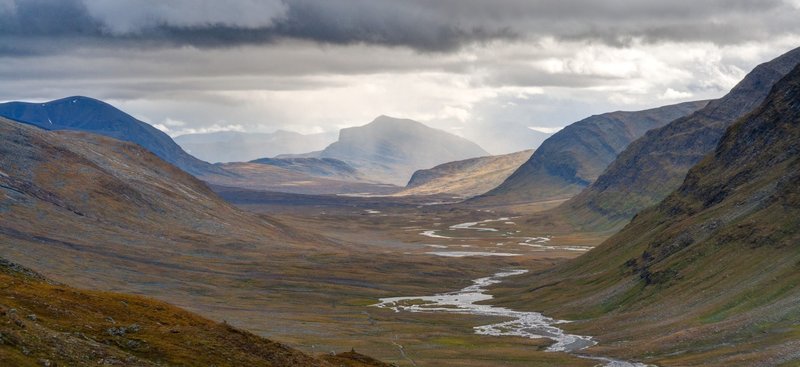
x: 522, y: 324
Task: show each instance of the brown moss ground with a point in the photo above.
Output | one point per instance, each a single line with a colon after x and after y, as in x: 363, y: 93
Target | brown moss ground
x: 43, y: 322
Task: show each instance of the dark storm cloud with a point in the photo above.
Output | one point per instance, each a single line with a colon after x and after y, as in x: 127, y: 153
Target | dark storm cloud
x: 47, y: 26
x: 42, y: 26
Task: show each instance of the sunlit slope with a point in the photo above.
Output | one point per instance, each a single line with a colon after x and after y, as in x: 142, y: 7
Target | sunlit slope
x: 50, y: 324
x: 465, y: 178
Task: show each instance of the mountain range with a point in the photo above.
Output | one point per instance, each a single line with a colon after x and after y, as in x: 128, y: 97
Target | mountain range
x: 654, y: 165
x: 234, y: 146
x: 574, y: 157
x: 703, y: 269
x: 363, y: 160
x: 390, y: 150
x: 708, y: 275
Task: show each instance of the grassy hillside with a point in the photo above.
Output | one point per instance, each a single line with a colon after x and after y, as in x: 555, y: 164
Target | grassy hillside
x: 655, y: 165
x: 574, y: 157
x: 87, y: 189
x: 465, y: 178
x: 49, y: 324
x: 708, y: 276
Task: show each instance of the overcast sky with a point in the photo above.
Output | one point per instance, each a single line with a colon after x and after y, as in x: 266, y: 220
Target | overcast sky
x: 472, y: 67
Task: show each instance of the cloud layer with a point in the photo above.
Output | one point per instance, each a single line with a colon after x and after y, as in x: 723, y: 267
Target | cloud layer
x: 487, y: 70
x: 36, y: 26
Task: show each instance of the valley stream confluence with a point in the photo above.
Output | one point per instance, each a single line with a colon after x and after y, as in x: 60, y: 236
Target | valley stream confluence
x: 532, y: 325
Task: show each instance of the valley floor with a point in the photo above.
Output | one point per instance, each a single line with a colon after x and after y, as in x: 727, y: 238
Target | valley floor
x: 410, y: 248
x: 322, y: 300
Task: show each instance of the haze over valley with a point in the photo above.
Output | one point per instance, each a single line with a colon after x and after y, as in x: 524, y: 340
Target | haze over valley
x: 374, y: 184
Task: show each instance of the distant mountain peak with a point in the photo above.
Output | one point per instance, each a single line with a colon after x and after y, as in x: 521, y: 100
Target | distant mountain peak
x: 389, y: 122
x: 390, y: 149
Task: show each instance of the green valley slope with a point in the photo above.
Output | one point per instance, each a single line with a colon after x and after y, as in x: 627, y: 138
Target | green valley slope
x: 709, y: 276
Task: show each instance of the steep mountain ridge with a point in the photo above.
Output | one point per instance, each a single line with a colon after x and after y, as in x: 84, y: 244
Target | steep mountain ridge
x: 653, y: 166
x: 575, y: 156
x: 708, y: 276
x: 389, y: 150
x: 90, y: 115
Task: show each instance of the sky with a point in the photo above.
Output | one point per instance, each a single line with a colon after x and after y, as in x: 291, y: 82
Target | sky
x: 486, y: 70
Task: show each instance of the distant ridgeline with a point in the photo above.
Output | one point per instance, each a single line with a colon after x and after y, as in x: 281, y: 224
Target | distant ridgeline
x: 97, y: 117
x: 572, y: 158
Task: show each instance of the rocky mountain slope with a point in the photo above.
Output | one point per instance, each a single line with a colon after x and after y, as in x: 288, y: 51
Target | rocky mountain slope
x: 90, y: 115
x: 574, y: 157
x: 43, y: 323
x: 390, y: 150
x: 709, y: 275
x: 656, y: 164
x: 233, y: 146
x: 465, y: 178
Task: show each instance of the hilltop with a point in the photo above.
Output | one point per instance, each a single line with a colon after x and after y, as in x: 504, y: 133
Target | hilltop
x: 390, y: 150
x: 51, y: 324
x: 86, y: 114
